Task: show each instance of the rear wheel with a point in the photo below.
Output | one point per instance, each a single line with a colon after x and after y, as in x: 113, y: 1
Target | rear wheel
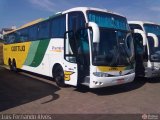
x: 14, y: 66
x: 10, y: 64
x: 58, y: 75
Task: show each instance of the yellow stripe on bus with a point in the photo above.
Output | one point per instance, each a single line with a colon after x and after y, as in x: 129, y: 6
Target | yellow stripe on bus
x: 109, y: 69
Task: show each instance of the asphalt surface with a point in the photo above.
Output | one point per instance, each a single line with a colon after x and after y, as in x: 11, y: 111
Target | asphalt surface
x: 26, y: 93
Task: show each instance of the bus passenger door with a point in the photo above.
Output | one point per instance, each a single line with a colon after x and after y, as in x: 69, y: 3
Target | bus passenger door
x: 139, y: 52
x: 70, y: 56
x: 80, y: 47
x: 83, y: 54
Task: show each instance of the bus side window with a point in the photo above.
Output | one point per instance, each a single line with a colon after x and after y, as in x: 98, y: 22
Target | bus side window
x: 11, y: 38
x: 70, y: 48
x: 5, y: 39
x: 43, y: 30
x: 82, y: 41
x: 24, y: 35
x: 138, y: 43
x: 58, y: 27
x: 76, y: 20
x: 33, y: 32
x: 135, y: 26
x: 83, y: 46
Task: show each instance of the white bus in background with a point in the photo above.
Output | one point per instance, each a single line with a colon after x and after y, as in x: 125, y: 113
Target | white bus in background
x: 88, y: 46
x: 147, y: 47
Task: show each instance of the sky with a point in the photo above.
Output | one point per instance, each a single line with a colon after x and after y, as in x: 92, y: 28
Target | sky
x: 19, y: 12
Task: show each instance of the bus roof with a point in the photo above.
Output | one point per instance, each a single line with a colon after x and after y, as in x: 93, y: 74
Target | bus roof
x: 142, y: 22
x: 84, y: 9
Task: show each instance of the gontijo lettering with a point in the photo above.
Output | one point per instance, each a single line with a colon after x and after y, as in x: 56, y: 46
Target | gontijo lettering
x: 18, y: 48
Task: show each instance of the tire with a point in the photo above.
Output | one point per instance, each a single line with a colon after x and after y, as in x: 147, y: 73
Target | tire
x: 10, y: 64
x: 14, y: 66
x: 58, y: 75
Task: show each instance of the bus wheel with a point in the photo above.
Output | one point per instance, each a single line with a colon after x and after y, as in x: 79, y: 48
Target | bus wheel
x: 10, y: 64
x: 14, y: 66
x: 58, y: 75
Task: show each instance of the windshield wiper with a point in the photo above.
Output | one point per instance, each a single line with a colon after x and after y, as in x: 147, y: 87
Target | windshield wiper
x: 127, y: 56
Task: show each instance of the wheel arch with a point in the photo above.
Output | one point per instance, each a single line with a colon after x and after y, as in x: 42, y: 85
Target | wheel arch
x: 55, y: 66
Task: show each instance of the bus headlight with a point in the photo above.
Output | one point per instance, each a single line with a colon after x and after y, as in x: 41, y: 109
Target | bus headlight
x: 156, y: 67
x: 100, y: 74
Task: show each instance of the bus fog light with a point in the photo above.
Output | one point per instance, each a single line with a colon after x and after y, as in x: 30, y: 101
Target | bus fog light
x: 97, y: 83
x: 100, y: 83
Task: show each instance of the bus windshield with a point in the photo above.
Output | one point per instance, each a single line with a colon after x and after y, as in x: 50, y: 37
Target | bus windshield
x: 154, y: 51
x: 116, y: 45
x: 151, y: 28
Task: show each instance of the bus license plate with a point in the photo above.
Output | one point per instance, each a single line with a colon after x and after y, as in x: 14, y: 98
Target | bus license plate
x: 119, y: 81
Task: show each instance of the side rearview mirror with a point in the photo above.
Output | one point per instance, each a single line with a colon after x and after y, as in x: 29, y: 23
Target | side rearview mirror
x: 143, y: 35
x: 155, y: 38
x: 96, y: 32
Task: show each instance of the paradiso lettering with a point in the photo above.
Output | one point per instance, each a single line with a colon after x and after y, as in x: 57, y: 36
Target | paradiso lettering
x: 18, y: 48
x: 57, y: 49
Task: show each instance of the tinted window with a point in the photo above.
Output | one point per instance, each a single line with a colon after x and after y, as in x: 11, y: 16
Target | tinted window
x: 33, y: 33
x: 58, y: 27
x: 17, y: 36
x: 76, y: 20
x: 108, y: 20
x: 138, y: 43
x: 43, y: 30
x: 11, y: 38
x: 135, y: 26
x: 151, y: 28
x: 24, y: 36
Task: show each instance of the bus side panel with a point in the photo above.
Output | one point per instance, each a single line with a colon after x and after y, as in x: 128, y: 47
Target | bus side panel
x: 51, y: 54
x: 56, y: 53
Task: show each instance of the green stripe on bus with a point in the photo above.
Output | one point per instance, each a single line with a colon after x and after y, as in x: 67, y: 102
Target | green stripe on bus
x: 42, y: 47
x: 32, y: 52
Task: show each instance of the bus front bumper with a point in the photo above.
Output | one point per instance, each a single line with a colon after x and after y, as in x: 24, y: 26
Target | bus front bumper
x: 150, y: 73
x: 99, y: 82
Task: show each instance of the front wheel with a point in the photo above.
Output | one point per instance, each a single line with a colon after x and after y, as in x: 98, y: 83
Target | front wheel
x: 58, y: 75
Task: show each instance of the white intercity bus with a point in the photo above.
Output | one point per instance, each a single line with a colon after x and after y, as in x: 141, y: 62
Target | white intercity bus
x: 147, y: 47
x: 82, y: 45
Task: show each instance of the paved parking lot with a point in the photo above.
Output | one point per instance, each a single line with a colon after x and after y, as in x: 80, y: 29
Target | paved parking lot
x: 25, y: 93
